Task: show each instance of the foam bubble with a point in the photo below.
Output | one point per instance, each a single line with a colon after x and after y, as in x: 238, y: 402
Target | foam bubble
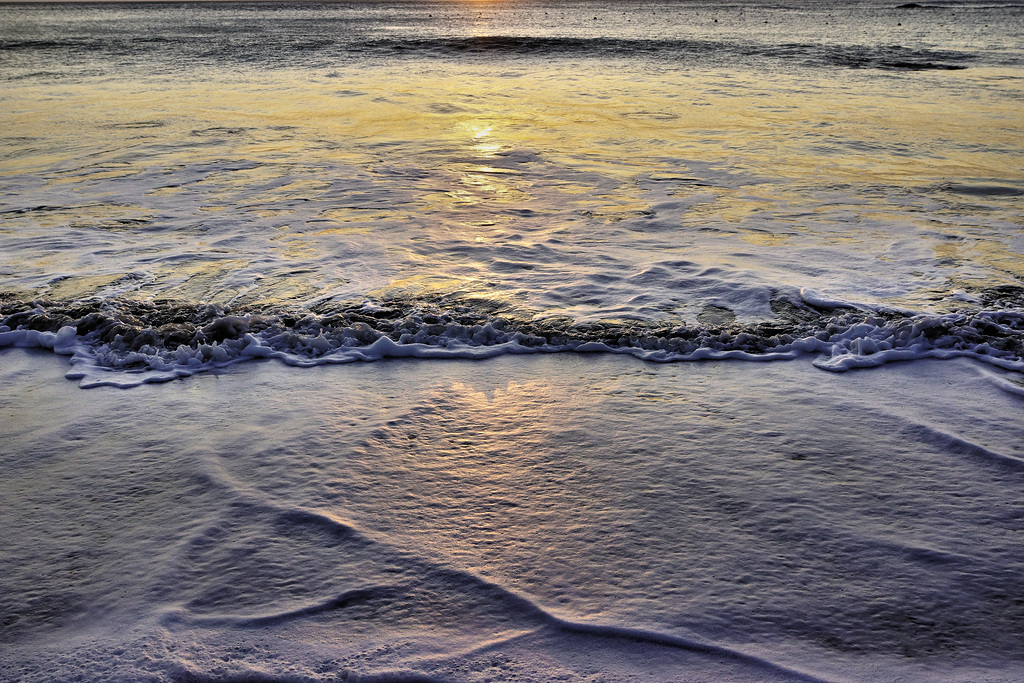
x: 124, y: 345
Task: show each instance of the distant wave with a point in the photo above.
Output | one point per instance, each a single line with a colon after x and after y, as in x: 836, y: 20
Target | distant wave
x: 887, y: 57
x: 126, y: 343
x: 276, y: 49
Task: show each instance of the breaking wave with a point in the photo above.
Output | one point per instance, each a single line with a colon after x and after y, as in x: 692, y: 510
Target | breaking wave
x: 856, y: 56
x: 126, y: 343
x: 284, y: 47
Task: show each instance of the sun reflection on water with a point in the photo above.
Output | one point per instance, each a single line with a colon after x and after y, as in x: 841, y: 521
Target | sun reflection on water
x: 422, y: 170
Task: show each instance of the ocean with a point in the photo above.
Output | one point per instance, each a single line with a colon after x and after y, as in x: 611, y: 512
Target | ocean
x: 487, y: 340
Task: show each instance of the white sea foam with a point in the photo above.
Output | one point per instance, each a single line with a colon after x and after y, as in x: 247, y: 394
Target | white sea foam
x: 834, y: 343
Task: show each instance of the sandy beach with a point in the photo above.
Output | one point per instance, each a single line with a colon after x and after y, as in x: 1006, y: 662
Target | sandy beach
x: 589, y: 516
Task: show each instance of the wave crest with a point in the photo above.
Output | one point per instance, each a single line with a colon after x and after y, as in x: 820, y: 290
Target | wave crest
x: 125, y: 343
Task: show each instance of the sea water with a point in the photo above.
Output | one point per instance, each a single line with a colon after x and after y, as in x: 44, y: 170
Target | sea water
x: 187, y: 186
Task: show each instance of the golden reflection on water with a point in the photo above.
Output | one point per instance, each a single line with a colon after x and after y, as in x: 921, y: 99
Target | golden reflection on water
x: 486, y: 113
x: 448, y: 132
x: 80, y: 286
x: 464, y: 450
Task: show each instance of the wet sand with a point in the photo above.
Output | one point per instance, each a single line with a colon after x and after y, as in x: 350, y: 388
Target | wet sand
x: 586, y: 516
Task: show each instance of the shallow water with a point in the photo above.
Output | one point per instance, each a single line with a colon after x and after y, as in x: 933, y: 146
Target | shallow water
x: 594, y: 517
